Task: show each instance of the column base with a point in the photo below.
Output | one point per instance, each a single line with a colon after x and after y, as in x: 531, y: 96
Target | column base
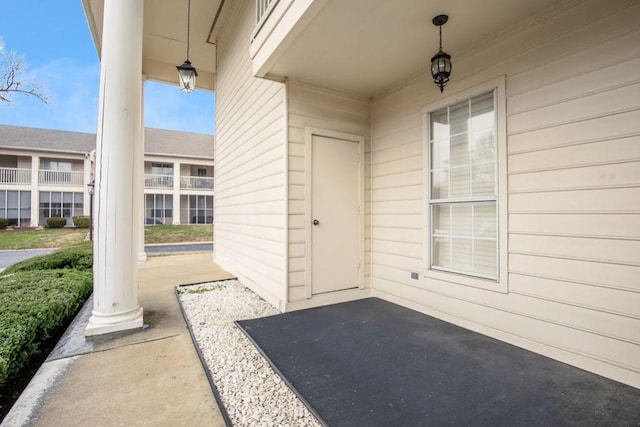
x: 142, y: 257
x: 100, y: 324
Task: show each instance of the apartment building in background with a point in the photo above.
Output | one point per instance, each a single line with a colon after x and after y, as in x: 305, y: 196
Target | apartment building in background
x: 45, y: 173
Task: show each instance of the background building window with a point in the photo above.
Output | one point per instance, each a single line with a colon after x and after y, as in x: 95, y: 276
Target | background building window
x: 58, y: 171
x: 463, y: 192
x: 15, y: 206
x: 60, y: 204
x: 161, y: 169
x: 61, y: 165
x: 196, y: 209
x: 158, y: 209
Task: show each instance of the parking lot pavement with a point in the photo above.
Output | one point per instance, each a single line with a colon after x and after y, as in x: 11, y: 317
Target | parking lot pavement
x: 8, y: 258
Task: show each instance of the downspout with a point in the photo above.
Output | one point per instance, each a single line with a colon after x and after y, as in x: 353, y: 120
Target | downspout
x: 286, y: 195
x: 370, y: 229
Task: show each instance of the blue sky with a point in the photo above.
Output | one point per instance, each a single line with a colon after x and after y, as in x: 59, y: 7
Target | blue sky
x: 54, y: 38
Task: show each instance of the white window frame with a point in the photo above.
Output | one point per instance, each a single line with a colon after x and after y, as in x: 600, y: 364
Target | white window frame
x: 75, y: 211
x: 161, y: 168
x: 4, y: 208
x: 500, y: 284
x: 54, y: 164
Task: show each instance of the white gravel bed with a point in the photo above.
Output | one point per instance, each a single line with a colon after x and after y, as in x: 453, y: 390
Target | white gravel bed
x: 252, y: 393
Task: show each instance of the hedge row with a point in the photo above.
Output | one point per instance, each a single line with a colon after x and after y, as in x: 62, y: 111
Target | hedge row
x: 55, y: 222
x: 37, y: 301
x: 81, y: 221
x: 78, y: 257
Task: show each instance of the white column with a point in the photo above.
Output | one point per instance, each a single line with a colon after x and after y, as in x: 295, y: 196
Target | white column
x: 138, y: 182
x: 176, y: 192
x: 35, y: 195
x: 115, y: 267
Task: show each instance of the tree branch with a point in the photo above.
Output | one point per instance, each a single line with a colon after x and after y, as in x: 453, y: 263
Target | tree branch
x: 11, y: 80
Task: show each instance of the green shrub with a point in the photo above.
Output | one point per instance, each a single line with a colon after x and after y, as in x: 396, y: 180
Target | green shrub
x: 3, y: 223
x: 78, y: 257
x: 34, y: 305
x: 56, y: 222
x: 81, y: 221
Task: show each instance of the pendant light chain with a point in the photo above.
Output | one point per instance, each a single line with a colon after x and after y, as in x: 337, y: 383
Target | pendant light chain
x: 186, y: 72
x: 189, y: 27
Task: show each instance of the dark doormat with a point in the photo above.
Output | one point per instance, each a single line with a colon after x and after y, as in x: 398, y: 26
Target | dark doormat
x: 373, y: 363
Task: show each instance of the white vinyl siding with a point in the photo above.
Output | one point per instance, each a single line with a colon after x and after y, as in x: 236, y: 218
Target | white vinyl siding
x: 250, y: 172
x: 573, y: 173
x: 317, y: 108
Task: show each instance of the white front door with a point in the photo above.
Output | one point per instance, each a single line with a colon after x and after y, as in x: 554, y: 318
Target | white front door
x: 335, y: 219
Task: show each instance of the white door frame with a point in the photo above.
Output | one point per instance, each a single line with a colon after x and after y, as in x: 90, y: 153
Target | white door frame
x: 309, y: 133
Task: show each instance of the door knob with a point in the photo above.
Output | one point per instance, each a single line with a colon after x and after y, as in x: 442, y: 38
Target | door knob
x: 316, y: 222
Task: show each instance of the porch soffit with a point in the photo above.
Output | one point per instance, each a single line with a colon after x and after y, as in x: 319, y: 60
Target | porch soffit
x: 365, y: 47
x: 165, y: 37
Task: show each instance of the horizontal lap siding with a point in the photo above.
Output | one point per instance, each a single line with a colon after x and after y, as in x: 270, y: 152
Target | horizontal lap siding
x: 573, y: 147
x: 313, y: 107
x: 250, y: 163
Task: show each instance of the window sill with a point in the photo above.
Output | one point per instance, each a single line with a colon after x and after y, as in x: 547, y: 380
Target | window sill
x: 499, y: 286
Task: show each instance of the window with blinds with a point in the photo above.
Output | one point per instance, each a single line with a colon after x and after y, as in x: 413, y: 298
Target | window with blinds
x: 61, y: 165
x: 463, y: 187
x: 162, y: 168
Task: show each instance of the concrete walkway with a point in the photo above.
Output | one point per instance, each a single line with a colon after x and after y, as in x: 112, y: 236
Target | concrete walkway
x: 151, y: 377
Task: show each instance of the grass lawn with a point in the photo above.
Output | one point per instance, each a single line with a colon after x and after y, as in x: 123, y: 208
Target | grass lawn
x: 178, y: 233
x: 43, y: 238
x: 62, y: 237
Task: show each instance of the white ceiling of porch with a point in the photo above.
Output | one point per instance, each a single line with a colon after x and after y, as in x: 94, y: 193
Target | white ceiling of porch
x: 381, y: 42
x: 165, y: 37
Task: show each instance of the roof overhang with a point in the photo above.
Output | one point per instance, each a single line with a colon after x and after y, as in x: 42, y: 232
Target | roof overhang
x: 165, y: 38
x: 366, y: 47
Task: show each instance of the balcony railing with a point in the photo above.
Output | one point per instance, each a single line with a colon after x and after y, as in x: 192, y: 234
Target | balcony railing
x: 64, y: 178
x: 15, y: 176
x: 196, y: 183
x: 263, y: 9
x: 158, y: 181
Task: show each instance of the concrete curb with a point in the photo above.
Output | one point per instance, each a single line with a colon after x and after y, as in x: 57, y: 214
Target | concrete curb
x: 28, y: 406
x: 153, y: 245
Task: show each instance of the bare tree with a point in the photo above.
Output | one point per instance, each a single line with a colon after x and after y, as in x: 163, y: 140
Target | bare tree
x: 12, y: 79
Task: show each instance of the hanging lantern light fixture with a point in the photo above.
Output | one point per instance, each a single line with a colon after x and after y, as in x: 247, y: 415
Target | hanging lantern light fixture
x: 441, y: 61
x: 186, y: 72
